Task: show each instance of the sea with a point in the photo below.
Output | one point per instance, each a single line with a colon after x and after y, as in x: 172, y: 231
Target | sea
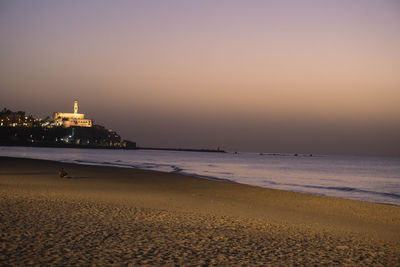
x: 372, y: 179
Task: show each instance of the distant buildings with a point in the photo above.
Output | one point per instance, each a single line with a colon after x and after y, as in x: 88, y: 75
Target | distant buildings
x: 16, y: 119
x: 71, y: 119
x: 66, y: 130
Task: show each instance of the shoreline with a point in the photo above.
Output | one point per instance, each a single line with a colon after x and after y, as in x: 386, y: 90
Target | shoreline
x: 109, y: 215
x: 215, y: 178
x: 9, y: 143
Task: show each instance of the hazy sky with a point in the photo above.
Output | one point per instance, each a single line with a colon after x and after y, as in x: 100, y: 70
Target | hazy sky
x: 266, y: 76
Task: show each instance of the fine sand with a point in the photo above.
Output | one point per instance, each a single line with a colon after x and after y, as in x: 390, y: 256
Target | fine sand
x: 114, y: 216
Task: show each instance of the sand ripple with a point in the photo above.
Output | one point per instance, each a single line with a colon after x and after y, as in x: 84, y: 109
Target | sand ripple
x: 68, y: 231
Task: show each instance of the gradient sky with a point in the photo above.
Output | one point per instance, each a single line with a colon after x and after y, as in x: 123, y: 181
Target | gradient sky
x: 265, y: 76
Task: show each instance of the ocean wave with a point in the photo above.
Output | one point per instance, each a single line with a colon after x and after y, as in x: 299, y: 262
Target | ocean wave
x: 340, y: 188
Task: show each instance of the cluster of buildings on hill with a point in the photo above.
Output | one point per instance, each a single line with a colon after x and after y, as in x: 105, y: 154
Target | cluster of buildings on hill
x: 17, y: 119
x: 64, y: 129
x: 9, y: 118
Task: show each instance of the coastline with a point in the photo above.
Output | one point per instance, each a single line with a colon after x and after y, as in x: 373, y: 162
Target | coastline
x: 354, y: 178
x: 65, y: 145
x: 167, y: 218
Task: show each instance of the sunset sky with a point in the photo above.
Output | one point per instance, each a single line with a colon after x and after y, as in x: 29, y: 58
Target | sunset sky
x: 265, y: 76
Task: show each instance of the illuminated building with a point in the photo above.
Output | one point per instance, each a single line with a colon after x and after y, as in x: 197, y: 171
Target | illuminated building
x: 71, y: 119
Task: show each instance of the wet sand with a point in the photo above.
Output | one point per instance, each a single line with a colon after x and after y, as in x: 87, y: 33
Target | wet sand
x: 105, y: 216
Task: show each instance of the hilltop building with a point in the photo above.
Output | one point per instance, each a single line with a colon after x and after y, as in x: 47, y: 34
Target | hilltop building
x: 71, y: 119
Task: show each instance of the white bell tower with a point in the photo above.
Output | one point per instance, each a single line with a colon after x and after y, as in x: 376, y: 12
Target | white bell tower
x: 76, y: 107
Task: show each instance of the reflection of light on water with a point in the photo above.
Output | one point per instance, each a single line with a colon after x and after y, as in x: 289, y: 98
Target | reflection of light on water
x: 362, y: 178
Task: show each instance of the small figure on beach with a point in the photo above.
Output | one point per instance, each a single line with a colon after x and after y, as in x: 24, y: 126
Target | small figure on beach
x: 62, y: 173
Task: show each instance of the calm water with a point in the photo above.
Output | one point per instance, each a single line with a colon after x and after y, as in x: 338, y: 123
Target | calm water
x: 374, y: 179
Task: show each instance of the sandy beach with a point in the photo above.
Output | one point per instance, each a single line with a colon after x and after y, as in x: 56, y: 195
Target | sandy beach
x: 116, y: 216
